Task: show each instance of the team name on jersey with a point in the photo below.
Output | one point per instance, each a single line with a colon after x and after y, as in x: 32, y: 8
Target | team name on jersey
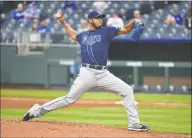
x: 91, y: 40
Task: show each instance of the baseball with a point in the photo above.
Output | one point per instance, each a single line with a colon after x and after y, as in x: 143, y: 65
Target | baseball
x: 58, y: 14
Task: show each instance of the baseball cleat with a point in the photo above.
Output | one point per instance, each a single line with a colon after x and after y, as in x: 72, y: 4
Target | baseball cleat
x: 139, y: 127
x: 32, y: 113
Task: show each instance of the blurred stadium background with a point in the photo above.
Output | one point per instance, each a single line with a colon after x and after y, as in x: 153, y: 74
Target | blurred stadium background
x: 36, y: 50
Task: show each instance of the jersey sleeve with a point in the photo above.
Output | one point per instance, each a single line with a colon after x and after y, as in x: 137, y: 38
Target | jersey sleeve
x: 27, y: 11
x: 78, y: 37
x: 112, y: 31
x: 37, y: 12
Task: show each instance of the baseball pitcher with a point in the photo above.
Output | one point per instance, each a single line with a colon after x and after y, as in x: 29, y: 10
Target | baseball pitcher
x: 93, y: 72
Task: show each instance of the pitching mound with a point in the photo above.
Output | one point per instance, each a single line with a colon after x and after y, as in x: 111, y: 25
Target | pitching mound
x: 17, y: 128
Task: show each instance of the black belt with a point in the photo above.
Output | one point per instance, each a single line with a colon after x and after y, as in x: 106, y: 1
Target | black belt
x: 98, y: 67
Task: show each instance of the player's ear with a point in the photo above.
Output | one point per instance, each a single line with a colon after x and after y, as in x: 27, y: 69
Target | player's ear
x: 89, y: 20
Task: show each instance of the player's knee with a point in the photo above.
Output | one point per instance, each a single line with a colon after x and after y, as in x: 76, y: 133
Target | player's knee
x: 70, y: 100
x: 130, y: 89
x: 127, y: 91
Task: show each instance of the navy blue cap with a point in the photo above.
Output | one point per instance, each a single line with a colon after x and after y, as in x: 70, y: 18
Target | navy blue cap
x: 94, y: 14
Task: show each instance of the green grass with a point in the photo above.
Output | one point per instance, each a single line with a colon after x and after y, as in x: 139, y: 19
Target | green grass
x: 142, y: 97
x: 163, y: 119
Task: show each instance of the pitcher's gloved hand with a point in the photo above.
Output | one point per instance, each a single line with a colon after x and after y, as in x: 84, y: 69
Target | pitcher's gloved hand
x: 137, y: 31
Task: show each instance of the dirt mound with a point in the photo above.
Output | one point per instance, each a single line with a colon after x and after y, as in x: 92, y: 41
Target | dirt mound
x: 17, y: 128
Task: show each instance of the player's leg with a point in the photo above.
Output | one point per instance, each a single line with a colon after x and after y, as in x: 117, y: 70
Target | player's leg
x: 81, y: 84
x: 113, y: 84
x: 85, y: 81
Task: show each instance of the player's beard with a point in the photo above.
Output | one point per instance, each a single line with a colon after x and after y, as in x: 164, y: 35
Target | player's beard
x: 95, y: 26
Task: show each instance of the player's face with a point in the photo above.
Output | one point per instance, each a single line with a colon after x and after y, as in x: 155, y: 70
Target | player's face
x: 97, y: 22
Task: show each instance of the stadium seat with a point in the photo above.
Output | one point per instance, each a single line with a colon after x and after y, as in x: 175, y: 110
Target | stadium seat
x: 156, y: 89
x: 154, y: 20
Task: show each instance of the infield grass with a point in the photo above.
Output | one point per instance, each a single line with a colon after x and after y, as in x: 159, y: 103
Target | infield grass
x: 162, y: 119
x: 142, y: 97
